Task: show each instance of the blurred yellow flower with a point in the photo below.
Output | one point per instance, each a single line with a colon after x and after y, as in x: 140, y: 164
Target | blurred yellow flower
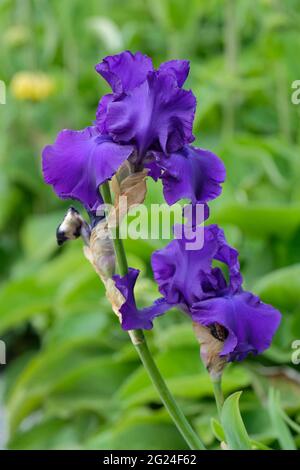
x: 34, y: 86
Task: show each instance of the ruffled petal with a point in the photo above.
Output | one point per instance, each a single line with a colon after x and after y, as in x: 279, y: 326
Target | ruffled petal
x: 192, y: 173
x: 79, y: 161
x: 132, y: 317
x: 178, y: 68
x: 102, y: 111
x: 229, y: 256
x: 155, y: 115
x: 125, y: 71
x: 250, y: 323
x: 186, y: 276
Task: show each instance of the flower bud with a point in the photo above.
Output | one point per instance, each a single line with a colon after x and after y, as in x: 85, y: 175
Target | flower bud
x: 72, y: 227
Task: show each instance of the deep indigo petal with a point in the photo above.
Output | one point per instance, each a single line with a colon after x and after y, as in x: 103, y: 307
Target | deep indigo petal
x: 179, y: 68
x: 230, y: 256
x: 125, y: 71
x: 102, y: 111
x: 132, y: 317
x: 79, y: 161
x: 191, y: 173
x: 250, y: 323
x: 156, y: 114
x: 186, y: 276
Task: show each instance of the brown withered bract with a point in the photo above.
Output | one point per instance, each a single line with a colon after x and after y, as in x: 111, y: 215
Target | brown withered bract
x: 211, y: 344
x: 129, y: 190
x: 100, y: 251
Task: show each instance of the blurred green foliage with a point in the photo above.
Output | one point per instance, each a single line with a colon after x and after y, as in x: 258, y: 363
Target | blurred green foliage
x: 73, y: 379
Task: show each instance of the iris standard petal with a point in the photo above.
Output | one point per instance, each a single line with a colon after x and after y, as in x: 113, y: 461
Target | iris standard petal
x: 230, y: 257
x: 186, y: 276
x: 125, y: 71
x: 79, y: 161
x: 155, y: 115
x: 178, y: 68
x: 102, y: 111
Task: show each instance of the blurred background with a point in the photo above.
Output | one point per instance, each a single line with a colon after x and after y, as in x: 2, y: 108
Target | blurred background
x: 72, y: 379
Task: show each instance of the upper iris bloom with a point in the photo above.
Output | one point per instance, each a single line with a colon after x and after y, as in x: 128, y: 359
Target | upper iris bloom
x: 147, y: 119
x: 189, y: 280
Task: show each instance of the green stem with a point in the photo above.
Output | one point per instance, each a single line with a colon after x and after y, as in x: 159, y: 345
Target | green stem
x: 167, y: 398
x: 119, y: 247
x: 217, y: 386
x: 139, y: 341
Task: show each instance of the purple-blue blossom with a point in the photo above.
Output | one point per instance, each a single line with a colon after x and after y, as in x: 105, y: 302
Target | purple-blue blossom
x: 189, y: 280
x: 147, y: 120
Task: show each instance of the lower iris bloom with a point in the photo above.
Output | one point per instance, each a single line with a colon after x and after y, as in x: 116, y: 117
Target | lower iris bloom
x: 147, y: 120
x: 187, y: 279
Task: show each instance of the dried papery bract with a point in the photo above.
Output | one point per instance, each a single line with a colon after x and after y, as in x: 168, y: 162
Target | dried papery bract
x: 100, y: 251
x: 129, y: 190
x: 123, y: 172
x: 210, y: 349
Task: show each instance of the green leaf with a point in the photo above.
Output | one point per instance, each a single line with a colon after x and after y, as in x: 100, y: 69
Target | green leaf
x: 10, y: 198
x: 21, y: 299
x: 53, y: 369
x: 256, y: 419
x: 294, y: 426
x: 86, y: 324
x: 283, y: 380
x: 175, y: 336
x: 203, y: 429
x: 281, y: 287
x: 235, y: 432
x: 38, y: 235
x: 217, y: 429
x: 184, y: 374
x: 256, y: 445
x: 89, y: 387
x: 66, y: 284
x: 260, y: 220
x: 49, y: 434
x: 139, y: 430
x: 281, y: 429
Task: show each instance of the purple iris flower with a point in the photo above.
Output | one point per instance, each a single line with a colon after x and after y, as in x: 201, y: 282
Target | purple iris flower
x: 79, y: 161
x: 189, y: 280
x: 147, y: 119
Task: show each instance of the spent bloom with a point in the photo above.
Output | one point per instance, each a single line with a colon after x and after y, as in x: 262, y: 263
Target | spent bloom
x: 147, y: 120
x: 189, y: 280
